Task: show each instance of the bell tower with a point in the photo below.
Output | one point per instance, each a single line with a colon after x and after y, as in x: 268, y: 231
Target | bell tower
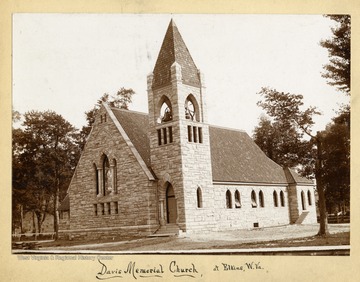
x: 179, y: 137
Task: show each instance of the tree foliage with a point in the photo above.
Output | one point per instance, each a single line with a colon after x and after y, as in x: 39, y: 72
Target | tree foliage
x: 120, y: 100
x: 45, y: 153
x: 286, y: 109
x: 338, y: 70
x: 336, y: 150
x: 282, y: 143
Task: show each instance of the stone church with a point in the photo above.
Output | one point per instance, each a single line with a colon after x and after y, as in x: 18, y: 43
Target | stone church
x: 169, y: 171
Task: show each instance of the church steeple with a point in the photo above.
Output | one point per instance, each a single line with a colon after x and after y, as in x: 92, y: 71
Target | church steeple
x: 173, y: 49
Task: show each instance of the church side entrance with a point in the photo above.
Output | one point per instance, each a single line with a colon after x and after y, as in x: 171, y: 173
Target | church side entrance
x: 171, y: 207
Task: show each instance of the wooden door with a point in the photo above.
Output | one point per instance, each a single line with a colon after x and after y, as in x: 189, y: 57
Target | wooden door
x: 171, y: 207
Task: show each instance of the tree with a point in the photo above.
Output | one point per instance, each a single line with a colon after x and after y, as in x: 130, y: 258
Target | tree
x: 121, y: 100
x: 45, y: 153
x: 338, y: 70
x: 282, y: 143
x: 336, y: 151
x: 285, y: 108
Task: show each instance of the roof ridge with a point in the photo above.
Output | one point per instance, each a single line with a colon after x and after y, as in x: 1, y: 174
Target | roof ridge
x: 132, y: 111
x: 227, y: 128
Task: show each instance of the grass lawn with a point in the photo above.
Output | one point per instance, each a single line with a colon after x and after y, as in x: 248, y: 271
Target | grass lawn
x: 175, y: 243
x: 337, y: 239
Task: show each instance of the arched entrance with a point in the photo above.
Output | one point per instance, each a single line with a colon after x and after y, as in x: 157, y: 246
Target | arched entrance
x: 171, y: 207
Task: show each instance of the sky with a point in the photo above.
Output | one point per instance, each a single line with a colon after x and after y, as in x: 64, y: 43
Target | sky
x: 66, y: 62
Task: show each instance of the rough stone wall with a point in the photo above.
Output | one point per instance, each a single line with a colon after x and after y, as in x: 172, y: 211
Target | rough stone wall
x: 246, y: 216
x: 196, y: 165
x: 293, y: 203
x: 186, y: 165
x: 166, y: 158
x: 64, y: 221
x: 132, y: 207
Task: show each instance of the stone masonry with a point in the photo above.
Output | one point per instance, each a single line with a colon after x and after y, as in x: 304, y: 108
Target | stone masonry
x: 138, y: 171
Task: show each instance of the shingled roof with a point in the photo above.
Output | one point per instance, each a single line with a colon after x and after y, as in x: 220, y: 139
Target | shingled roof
x: 234, y: 155
x: 65, y: 204
x: 293, y: 177
x: 173, y: 49
x: 136, y: 127
x: 236, y: 158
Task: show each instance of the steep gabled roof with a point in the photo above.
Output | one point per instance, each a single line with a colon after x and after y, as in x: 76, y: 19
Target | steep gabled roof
x: 65, y: 204
x: 136, y: 126
x: 293, y: 177
x: 234, y: 155
x: 173, y: 49
x: 236, y: 158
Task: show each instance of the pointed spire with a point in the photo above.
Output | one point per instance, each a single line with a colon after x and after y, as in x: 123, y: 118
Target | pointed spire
x: 173, y: 49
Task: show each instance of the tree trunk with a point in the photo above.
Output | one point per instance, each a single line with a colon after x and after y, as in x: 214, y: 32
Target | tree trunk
x: 39, y: 222
x: 21, y: 219
x: 56, y: 212
x: 33, y: 219
x: 323, y: 230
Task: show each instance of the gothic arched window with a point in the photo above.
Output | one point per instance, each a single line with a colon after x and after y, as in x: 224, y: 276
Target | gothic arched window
x: 96, y: 176
x: 237, y: 200
x: 253, y: 199
x: 303, y: 200
x: 114, y: 176
x: 191, y: 108
x: 199, y: 198
x: 228, y: 200
x: 107, y: 178
x: 282, y: 199
x: 261, y: 199
x: 309, y: 198
x: 275, y: 199
x: 165, y: 113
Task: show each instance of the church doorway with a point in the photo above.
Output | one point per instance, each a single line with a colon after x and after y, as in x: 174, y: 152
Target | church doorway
x: 171, y: 207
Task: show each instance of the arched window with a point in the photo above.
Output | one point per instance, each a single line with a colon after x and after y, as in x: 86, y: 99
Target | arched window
x: 309, y: 198
x: 282, y: 199
x: 303, y: 200
x: 114, y: 176
x: 228, y: 200
x: 96, y: 176
x: 191, y: 108
x: 261, y: 199
x: 237, y: 200
x: 107, y: 182
x: 275, y: 199
x: 253, y: 199
x: 166, y: 113
x: 199, y: 198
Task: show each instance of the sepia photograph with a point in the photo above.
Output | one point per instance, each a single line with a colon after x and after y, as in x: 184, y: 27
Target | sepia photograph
x: 125, y: 144
x: 180, y: 145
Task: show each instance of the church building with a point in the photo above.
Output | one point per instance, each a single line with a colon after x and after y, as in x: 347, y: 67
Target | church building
x: 169, y: 171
